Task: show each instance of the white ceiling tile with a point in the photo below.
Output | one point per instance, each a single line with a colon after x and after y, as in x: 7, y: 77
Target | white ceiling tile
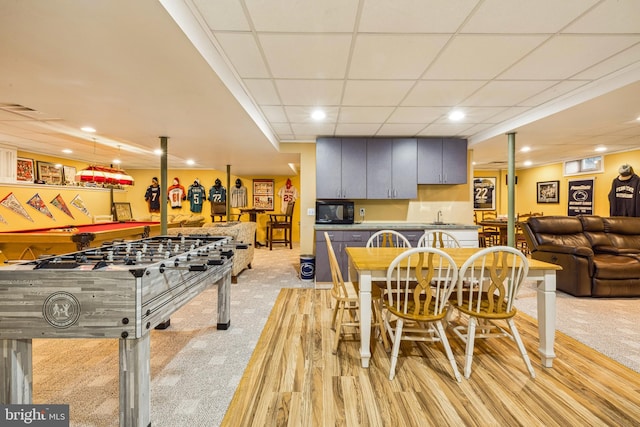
x: 414, y: 16
x: 555, y: 91
x: 244, y: 54
x: 274, y: 113
x: 364, y: 114
x: 409, y: 54
x: 312, y: 129
x: 431, y: 93
x: 444, y: 129
x: 503, y: 93
x: 612, y: 64
x: 475, y: 115
x: 281, y: 128
x: 417, y: 114
x: 477, y: 128
x: 508, y: 113
x: 375, y: 92
x: 306, y: 56
x: 224, y: 15
x: 565, y: 55
x: 480, y: 57
x: 310, y: 92
x: 524, y: 16
x: 298, y: 114
x: 611, y: 16
x: 263, y: 91
x: 397, y: 129
x: 303, y: 16
x: 357, y: 129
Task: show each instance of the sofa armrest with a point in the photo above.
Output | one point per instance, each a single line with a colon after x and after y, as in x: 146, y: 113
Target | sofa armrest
x: 579, y: 250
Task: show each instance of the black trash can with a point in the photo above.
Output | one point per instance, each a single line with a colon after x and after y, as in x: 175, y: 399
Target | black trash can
x: 307, y: 268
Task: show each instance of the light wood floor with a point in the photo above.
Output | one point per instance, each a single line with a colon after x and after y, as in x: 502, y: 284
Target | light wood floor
x: 293, y: 379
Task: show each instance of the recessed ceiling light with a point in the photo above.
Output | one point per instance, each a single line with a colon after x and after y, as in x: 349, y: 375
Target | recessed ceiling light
x: 67, y: 151
x: 600, y: 149
x: 191, y: 162
x: 456, y: 115
x: 58, y: 166
x: 116, y: 161
x: 157, y: 152
x: 525, y: 149
x: 318, y: 115
x: 88, y: 129
x: 528, y: 163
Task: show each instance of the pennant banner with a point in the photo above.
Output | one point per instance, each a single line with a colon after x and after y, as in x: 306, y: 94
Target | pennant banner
x: 38, y: 204
x: 11, y: 202
x: 59, y: 203
x: 78, y: 203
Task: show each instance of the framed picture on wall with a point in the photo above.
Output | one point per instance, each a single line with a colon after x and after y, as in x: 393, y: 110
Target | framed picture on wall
x: 25, y: 170
x: 484, y: 194
x: 69, y: 175
x: 122, y: 211
x: 548, y: 192
x: 263, y: 194
x: 49, y: 173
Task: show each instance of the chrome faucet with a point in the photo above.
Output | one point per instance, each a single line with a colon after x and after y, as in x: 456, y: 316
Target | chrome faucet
x: 439, y: 216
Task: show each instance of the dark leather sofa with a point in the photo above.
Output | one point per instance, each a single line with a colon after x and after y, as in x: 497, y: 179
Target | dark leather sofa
x: 600, y: 257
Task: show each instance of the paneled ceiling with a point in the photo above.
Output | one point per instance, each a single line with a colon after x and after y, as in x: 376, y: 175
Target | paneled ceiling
x: 229, y: 81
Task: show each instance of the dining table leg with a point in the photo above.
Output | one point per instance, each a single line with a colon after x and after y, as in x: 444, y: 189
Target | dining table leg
x: 546, y: 305
x: 364, y: 281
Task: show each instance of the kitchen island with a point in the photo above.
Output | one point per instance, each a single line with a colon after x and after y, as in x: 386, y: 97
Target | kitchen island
x: 356, y: 235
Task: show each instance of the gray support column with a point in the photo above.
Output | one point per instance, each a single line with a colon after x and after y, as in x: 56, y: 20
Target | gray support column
x: 16, y: 380
x: 511, y: 198
x: 135, y: 381
x: 163, y: 185
x: 228, y: 199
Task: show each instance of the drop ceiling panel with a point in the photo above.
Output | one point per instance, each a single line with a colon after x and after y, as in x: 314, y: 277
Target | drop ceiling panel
x: 416, y: 114
x: 414, y: 16
x: 393, y: 56
x: 557, y: 51
x: 481, y: 57
x: 303, y: 16
x: 262, y: 91
x: 364, y: 114
x: 396, y: 129
x: 306, y: 56
x: 375, y: 92
x: 525, y: 16
x: 275, y: 113
x: 555, y: 91
x: 441, y: 92
x: 609, y: 17
x: 307, y: 129
x: 444, y: 129
x: 310, y: 92
x: 298, y: 114
x: 506, y: 93
x: 243, y: 51
x: 616, y: 62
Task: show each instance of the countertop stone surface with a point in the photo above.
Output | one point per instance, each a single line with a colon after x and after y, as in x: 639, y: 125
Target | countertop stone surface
x: 399, y: 225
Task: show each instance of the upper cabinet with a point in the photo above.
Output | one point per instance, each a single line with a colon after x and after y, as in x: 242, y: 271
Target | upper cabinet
x: 442, y: 161
x: 341, y: 165
x: 392, y: 168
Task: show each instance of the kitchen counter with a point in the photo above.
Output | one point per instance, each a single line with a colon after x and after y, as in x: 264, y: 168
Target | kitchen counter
x: 399, y: 225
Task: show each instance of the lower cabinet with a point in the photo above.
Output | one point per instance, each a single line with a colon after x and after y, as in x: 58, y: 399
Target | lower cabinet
x: 340, y: 240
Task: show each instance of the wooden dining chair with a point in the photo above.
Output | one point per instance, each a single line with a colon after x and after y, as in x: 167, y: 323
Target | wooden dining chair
x: 438, y: 239
x: 416, y: 300
x: 521, y: 242
x: 492, y: 234
x: 384, y: 239
x: 345, y: 295
x: 282, y: 222
x: 497, y: 274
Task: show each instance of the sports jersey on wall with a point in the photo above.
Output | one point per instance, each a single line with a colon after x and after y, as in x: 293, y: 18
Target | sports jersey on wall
x: 287, y: 193
x: 217, y: 194
x: 196, y: 196
x: 176, y: 194
x: 239, y: 197
x: 152, y: 196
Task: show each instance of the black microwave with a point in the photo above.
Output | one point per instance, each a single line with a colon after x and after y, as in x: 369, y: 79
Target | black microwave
x: 334, y: 212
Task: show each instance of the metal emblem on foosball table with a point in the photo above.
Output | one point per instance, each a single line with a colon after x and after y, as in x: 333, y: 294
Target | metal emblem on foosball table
x: 61, y: 309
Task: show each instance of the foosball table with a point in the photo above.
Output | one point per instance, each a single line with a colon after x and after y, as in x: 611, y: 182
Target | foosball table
x: 119, y: 291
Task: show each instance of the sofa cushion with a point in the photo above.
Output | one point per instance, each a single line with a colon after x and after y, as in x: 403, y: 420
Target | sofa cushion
x: 558, y: 231
x: 594, y: 230
x: 623, y: 232
x: 608, y: 266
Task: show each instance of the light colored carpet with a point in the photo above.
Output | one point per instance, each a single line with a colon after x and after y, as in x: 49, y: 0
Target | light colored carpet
x: 196, y: 368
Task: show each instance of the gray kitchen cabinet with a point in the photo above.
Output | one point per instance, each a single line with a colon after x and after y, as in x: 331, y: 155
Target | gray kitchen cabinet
x: 341, y: 164
x: 442, y: 161
x: 340, y: 241
x: 392, y: 168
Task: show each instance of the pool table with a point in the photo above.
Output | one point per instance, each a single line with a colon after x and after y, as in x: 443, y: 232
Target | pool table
x: 30, y: 244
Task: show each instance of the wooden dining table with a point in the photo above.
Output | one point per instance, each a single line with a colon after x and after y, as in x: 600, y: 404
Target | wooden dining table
x: 500, y: 224
x: 370, y: 264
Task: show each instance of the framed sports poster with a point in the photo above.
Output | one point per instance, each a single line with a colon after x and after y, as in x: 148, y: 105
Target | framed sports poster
x: 484, y: 194
x: 25, y: 170
x: 580, y: 197
x: 548, y: 192
x: 49, y: 173
x: 263, y: 194
x: 69, y: 175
